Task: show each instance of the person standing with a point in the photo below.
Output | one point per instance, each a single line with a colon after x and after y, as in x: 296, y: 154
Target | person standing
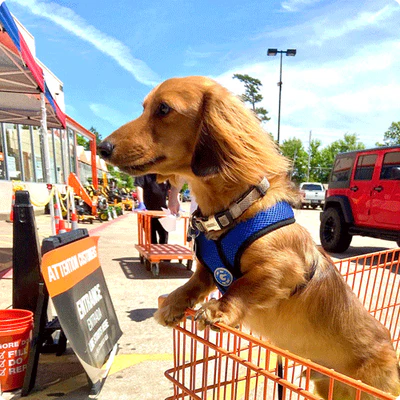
x: 153, y: 196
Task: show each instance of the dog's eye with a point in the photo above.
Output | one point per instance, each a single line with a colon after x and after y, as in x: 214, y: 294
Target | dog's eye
x: 163, y: 109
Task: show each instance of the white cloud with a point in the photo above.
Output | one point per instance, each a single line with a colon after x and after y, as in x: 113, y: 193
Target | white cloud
x: 354, y: 94
x: 296, y: 5
x: 361, y: 21
x: 368, y: 100
x: 73, y: 23
x: 112, y: 116
x: 192, y: 56
x: 337, y: 22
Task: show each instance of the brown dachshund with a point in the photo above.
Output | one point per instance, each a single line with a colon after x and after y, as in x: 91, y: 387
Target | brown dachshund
x: 288, y: 290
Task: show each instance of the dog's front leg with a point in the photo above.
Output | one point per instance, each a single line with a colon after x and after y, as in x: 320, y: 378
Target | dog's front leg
x: 250, y: 292
x: 227, y: 310
x: 192, y: 292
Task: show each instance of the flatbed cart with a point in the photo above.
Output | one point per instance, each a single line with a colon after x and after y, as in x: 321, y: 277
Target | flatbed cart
x: 233, y: 364
x: 151, y: 254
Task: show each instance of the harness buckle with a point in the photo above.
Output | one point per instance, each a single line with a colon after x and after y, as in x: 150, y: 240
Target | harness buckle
x: 224, y: 218
x: 209, y: 224
x: 215, y: 222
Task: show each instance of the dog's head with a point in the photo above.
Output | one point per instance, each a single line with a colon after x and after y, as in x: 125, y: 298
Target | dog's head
x: 193, y: 127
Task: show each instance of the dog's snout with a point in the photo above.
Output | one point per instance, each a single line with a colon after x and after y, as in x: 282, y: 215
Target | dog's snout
x: 105, y: 149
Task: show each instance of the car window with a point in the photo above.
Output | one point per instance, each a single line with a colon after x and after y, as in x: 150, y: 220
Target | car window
x: 365, y: 167
x: 391, y: 166
x: 310, y: 186
x: 342, y: 169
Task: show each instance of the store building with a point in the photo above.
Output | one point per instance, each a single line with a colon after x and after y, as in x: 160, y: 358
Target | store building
x: 37, y: 140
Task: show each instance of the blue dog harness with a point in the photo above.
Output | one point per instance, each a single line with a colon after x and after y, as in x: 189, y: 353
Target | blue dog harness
x: 222, y: 256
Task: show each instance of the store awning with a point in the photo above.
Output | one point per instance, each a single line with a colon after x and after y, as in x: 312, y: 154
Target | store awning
x: 22, y: 80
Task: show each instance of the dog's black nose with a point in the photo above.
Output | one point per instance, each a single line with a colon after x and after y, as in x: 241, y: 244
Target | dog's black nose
x: 105, y: 149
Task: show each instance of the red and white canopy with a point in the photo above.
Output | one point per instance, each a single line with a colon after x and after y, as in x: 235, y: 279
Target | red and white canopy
x: 22, y: 80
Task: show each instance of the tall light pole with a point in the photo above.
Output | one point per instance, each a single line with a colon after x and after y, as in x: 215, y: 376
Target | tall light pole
x: 290, y: 53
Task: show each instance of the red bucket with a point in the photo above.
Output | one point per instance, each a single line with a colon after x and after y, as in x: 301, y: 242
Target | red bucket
x: 15, y: 336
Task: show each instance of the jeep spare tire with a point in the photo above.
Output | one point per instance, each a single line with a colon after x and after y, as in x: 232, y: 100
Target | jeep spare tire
x: 333, y: 231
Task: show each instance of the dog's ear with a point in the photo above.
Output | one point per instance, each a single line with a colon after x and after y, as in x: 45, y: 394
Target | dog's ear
x: 206, y: 160
x: 207, y: 156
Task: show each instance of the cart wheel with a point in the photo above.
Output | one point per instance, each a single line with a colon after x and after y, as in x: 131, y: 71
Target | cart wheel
x: 141, y: 259
x: 189, y: 265
x: 147, y: 264
x: 155, y: 269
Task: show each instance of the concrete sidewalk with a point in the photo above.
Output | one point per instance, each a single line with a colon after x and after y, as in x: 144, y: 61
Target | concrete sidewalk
x: 145, y: 348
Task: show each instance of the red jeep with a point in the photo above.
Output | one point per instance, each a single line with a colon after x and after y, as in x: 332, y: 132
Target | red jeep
x: 363, y: 198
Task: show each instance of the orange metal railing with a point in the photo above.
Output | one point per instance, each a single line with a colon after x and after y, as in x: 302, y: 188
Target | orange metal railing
x: 233, y: 364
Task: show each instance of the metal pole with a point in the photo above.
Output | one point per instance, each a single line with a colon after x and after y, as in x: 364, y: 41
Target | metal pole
x: 20, y: 154
x: 5, y: 151
x: 309, y: 158
x: 43, y: 127
x: 280, y: 95
x: 53, y: 146
x: 33, y: 154
x: 63, y: 137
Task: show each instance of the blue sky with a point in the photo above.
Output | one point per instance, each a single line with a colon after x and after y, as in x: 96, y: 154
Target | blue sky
x: 345, y: 77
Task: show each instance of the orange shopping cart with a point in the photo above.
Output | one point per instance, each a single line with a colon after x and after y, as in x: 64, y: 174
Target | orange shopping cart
x: 233, y: 364
x: 152, y: 254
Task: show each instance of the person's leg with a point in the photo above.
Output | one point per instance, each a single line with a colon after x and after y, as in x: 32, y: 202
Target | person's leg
x: 162, y: 233
x: 154, y: 224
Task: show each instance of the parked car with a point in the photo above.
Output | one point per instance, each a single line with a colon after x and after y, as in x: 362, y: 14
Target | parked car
x: 312, y: 194
x: 363, y: 198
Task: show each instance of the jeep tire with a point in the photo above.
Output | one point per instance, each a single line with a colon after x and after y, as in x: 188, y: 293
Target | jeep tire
x: 333, y: 231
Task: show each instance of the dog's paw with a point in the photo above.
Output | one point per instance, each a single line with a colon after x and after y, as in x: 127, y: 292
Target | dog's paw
x: 170, y: 315
x: 210, y: 313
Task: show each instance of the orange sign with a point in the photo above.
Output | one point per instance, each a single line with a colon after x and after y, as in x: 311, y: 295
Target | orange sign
x: 64, y: 267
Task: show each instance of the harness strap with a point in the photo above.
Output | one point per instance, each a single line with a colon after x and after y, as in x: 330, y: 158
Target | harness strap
x: 227, y: 217
x: 222, y: 256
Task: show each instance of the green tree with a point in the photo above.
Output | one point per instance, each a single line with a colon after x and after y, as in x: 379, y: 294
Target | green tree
x: 123, y: 179
x: 252, y: 95
x: 85, y: 142
x: 318, y: 171
x: 350, y: 142
x: 97, y: 134
x: 392, y: 135
x: 82, y: 141
x: 293, y: 149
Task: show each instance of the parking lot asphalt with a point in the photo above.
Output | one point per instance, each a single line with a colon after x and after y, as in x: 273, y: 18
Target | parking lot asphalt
x: 145, y: 348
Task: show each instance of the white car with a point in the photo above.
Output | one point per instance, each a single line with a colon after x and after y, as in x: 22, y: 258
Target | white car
x: 312, y: 194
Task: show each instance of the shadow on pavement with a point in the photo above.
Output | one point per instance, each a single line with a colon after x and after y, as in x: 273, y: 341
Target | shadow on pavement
x: 57, y: 371
x: 5, y: 258
x: 141, y: 314
x: 133, y: 269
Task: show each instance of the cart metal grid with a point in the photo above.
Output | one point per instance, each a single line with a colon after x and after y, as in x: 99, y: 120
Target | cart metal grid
x: 233, y: 364
x: 152, y: 254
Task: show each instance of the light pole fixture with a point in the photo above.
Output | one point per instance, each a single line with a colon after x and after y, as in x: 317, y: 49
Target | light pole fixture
x: 289, y: 53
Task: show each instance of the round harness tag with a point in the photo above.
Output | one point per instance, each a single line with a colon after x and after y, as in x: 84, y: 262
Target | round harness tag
x: 223, y: 276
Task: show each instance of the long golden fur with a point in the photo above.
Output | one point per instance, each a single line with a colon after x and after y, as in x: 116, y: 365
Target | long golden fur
x: 193, y: 128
